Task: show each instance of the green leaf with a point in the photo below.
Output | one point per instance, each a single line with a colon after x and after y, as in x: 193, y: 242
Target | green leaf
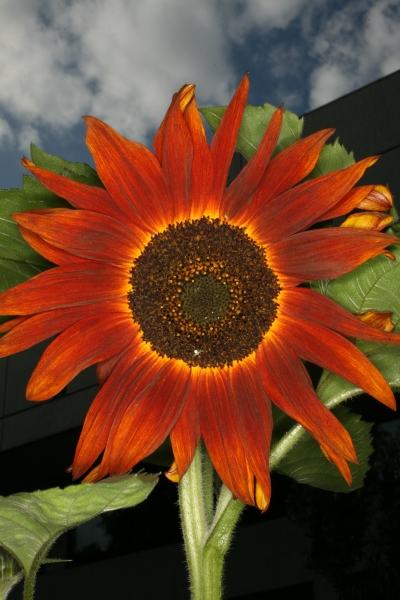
x: 254, y: 123
x: 10, y: 573
x: 76, y: 171
x: 307, y: 464
x: 31, y: 523
x: 332, y: 158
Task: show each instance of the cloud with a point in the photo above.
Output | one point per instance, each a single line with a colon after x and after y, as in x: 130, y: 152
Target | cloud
x: 356, y: 45
x: 119, y: 60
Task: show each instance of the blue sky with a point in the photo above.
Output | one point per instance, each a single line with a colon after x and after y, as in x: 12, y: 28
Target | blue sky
x: 121, y: 60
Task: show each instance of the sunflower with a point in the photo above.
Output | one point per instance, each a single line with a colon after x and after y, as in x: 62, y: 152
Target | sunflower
x: 186, y: 293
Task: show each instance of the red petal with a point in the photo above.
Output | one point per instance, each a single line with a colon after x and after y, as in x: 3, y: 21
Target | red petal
x: 306, y: 304
x: 149, y: 417
x: 185, y: 94
x: 185, y: 434
x: 177, y: 159
x: 116, y: 392
x: 32, y: 330
x: 331, y: 351
x: 83, y: 344
x: 291, y: 166
x: 202, y: 175
x: 11, y: 324
x: 68, y: 285
x: 348, y: 202
x: 221, y: 436
x: 287, y: 383
x: 303, y: 205
x: 86, y: 234
x: 253, y: 416
x: 242, y: 187
x: 339, y: 461
x: 224, y: 142
x: 131, y: 174
x: 324, y: 253
x: 86, y: 197
x: 54, y: 255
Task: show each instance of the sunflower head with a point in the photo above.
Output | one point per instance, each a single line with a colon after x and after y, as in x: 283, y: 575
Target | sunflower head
x: 187, y: 294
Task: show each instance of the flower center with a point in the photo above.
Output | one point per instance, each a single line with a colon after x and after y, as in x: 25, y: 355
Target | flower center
x: 202, y: 292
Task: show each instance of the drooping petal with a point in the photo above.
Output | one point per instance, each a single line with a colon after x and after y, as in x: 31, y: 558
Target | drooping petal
x: 328, y: 349
x: 253, y: 416
x: 177, y: 160
x: 379, y: 198
x: 221, y: 436
x: 28, y: 331
x: 69, y: 285
x: 202, y: 174
x: 88, y: 235
x: 86, y: 197
x: 118, y: 390
x: 224, y: 141
x: 244, y: 184
x: 131, y: 174
x: 303, y: 303
x: 82, y: 344
x: 324, y: 253
x: 286, y: 382
x: 303, y: 205
x: 149, y: 418
x: 185, y: 434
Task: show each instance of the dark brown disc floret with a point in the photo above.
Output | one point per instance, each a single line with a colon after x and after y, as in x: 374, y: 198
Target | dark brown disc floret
x: 202, y: 292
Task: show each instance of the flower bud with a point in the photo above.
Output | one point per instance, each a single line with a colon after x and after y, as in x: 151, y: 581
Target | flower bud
x: 379, y: 198
x: 374, y: 221
x: 378, y: 320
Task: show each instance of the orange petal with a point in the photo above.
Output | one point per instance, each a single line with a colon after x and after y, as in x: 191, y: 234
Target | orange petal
x: 116, y: 392
x: 177, y: 160
x: 149, y: 418
x: 244, y: 184
x: 11, y: 324
x: 373, y: 221
x: 287, y: 383
x: 219, y: 429
x: 80, y: 195
x: 185, y: 434
x: 57, y: 256
x: 329, y: 350
x: 252, y: 409
x: 303, y: 303
x: 173, y: 474
x: 224, y: 142
x: 131, y: 174
x: 82, y: 344
x: 29, y: 331
x: 324, y: 253
x: 69, y: 285
x: 291, y: 166
x: 86, y: 234
x: 378, y: 320
x: 339, y: 461
x: 348, y: 203
x: 304, y: 205
x: 202, y: 175
x: 185, y: 94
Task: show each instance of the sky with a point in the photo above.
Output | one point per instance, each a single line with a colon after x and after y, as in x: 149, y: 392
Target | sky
x: 122, y: 60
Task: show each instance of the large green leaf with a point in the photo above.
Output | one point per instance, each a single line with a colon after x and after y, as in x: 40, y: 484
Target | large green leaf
x: 31, y: 523
x: 306, y: 463
x: 254, y: 123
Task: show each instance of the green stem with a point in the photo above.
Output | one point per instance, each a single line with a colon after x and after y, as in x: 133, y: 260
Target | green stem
x: 206, y: 535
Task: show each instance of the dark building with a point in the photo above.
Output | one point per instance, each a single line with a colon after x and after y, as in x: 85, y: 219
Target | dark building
x: 38, y: 439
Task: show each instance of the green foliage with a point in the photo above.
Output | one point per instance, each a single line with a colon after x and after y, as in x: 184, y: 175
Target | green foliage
x: 332, y: 158
x: 254, y: 123
x: 31, y: 523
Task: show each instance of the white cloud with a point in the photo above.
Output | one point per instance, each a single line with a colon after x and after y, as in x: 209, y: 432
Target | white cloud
x: 119, y: 60
x: 356, y: 45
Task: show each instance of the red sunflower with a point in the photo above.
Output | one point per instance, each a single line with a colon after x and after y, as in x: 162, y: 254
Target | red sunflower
x: 185, y: 292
